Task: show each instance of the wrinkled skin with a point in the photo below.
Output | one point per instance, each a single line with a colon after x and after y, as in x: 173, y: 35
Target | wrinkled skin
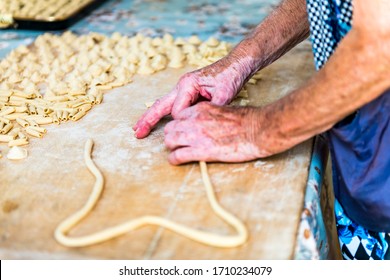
x: 219, y: 83
x: 208, y: 132
x: 216, y: 133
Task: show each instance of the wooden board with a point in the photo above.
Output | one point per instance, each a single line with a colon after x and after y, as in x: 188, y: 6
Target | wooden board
x: 53, y: 182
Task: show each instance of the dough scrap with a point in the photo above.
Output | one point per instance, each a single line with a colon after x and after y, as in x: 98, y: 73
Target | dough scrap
x: 149, y: 104
x: 206, y: 238
x: 17, y: 153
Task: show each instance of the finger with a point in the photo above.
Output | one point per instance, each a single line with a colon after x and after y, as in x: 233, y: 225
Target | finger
x: 219, y: 99
x: 187, y: 94
x: 154, y: 114
x: 177, y: 139
x: 160, y: 108
x: 187, y: 154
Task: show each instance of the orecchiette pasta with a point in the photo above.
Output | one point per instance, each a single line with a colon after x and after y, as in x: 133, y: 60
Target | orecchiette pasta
x: 61, y: 78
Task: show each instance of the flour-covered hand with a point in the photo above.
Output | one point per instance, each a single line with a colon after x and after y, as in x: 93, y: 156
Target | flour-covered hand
x: 218, y: 83
x: 206, y: 132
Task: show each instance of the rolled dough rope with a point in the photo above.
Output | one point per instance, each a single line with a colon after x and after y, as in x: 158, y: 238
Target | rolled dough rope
x: 207, y: 238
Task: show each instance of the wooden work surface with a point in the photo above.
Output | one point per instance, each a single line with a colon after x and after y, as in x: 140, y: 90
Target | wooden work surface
x: 36, y: 194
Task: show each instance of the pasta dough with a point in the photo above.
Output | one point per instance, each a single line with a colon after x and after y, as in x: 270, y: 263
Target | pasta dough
x: 207, y: 238
x: 59, y: 78
x: 16, y: 153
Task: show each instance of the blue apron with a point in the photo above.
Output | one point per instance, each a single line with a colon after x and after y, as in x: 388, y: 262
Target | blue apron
x: 359, y: 144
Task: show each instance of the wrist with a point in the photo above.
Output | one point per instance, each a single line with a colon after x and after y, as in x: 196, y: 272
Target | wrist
x: 258, y: 135
x: 269, y: 133
x: 243, y: 56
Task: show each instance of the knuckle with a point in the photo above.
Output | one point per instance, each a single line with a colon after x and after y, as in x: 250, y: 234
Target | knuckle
x: 186, y: 79
x: 202, y: 105
x: 168, y: 141
x: 157, y: 102
x: 172, y: 158
x: 176, y: 112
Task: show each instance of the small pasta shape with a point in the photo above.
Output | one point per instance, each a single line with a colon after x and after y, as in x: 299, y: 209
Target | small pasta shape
x: 6, y: 138
x: 18, y: 142
x: 6, y: 128
x: 78, y: 116
x: 40, y: 120
x: 61, y: 77
x: 85, y: 107
x: 14, y: 131
x: 4, y: 120
x: 22, y: 122
x: 99, y: 98
x: 32, y: 122
x: 14, y: 116
x: 64, y: 116
x: 33, y: 132
x: 21, y: 135
x: 38, y: 128
x: 7, y: 111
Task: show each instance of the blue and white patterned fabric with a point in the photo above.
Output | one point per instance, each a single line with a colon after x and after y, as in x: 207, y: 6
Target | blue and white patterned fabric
x: 358, y: 148
x: 358, y: 243
x: 330, y: 21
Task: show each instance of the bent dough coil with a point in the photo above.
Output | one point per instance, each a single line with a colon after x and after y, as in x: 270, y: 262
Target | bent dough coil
x: 203, y: 237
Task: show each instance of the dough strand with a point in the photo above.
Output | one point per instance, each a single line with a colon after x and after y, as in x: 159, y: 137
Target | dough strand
x: 206, y: 238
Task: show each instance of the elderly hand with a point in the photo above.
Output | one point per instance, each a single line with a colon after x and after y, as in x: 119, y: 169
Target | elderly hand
x: 218, y: 82
x: 206, y: 132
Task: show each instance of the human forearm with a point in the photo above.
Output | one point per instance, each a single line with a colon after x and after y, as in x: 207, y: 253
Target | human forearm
x: 284, y: 28
x: 356, y: 74
x: 221, y: 81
